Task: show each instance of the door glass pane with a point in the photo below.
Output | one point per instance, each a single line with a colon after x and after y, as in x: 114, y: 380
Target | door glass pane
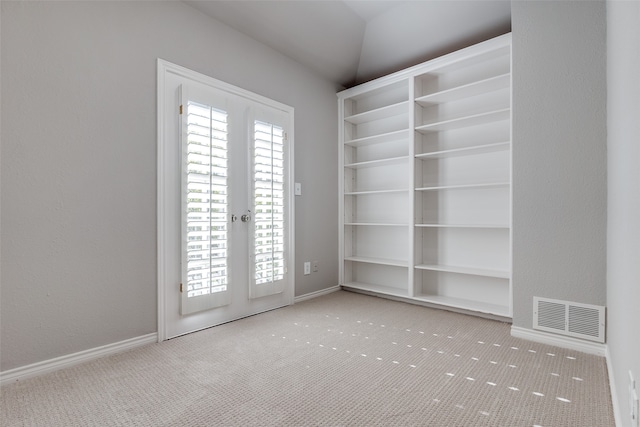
x: 268, y: 196
x: 206, y: 200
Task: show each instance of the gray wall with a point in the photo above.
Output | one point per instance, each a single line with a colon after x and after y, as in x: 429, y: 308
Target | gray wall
x: 414, y: 31
x: 78, y: 168
x: 559, y: 153
x: 623, y: 232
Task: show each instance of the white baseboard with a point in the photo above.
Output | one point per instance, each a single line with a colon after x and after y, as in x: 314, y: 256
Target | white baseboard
x: 597, y: 349
x: 316, y: 294
x: 46, y: 366
x: 612, y: 386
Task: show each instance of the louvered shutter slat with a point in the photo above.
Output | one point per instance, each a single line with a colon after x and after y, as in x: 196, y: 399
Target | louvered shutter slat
x: 206, y: 200
x: 268, y: 169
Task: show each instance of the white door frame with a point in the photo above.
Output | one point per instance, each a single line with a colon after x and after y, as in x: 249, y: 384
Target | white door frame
x: 166, y: 213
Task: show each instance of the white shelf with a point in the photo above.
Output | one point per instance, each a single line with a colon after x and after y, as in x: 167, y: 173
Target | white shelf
x: 379, y: 261
x: 376, y: 224
x: 364, y: 193
x: 488, y: 226
x: 466, y: 151
x: 382, y: 138
x: 501, y: 274
x: 466, y: 121
x: 472, y: 305
x: 377, y: 163
x: 464, y: 186
x: 466, y: 91
x: 379, y: 113
x: 379, y: 289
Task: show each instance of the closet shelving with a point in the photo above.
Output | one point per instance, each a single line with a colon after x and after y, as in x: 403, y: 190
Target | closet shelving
x: 425, y: 172
x: 375, y: 162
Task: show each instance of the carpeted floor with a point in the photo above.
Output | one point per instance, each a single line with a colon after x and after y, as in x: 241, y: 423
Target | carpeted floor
x: 339, y: 360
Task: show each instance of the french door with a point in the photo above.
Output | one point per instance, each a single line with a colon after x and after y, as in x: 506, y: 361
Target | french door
x: 225, y: 234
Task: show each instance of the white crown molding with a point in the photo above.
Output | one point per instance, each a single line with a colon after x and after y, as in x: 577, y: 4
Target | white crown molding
x: 559, y: 341
x: 69, y: 360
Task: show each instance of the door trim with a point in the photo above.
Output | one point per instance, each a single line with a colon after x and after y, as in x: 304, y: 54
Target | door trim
x: 165, y: 68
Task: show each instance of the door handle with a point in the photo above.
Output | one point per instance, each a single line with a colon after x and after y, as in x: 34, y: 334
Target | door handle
x: 245, y: 218
x: 234, y: 217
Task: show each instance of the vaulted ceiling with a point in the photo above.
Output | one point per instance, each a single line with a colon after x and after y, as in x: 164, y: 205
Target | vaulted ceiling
x: 349, y: 42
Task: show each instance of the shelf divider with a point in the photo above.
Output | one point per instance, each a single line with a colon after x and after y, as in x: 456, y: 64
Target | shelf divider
x: 503, y: 226
x: 466, y: 121
x: 379, y: 113
x: 471, y: 89
x: 380, y: 261
x: 397, y: 135
x: 377, y: 163
x: 501, y: 274
x: 363, y: 193
x: 464, y: 186
x: 466, y: 151
x: 376, y: 224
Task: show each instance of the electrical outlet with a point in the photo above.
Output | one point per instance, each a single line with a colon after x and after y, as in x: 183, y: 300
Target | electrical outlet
x: 307, y: 268
x: 315, y: 266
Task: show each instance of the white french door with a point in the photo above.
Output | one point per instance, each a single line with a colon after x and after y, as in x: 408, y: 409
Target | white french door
x: 225, y: 234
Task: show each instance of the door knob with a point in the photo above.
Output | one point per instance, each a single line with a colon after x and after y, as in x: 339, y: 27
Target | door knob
x: 234, y: 218
x: 245, y: 218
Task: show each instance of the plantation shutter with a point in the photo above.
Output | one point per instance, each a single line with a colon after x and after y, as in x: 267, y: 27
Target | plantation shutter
x: 205, y: 207
x: 268, y: 240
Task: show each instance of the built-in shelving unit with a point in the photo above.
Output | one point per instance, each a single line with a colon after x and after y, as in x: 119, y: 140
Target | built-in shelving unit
x: 425, y: 173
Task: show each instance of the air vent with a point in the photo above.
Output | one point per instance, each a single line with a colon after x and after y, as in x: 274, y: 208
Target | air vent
x: 569, y: 318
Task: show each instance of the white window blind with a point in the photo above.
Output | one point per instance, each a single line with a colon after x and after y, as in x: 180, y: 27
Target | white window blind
x: 269, y: 206
x: 206, y: 204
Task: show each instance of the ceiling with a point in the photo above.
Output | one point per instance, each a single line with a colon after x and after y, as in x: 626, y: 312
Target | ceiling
x: 349, y: 42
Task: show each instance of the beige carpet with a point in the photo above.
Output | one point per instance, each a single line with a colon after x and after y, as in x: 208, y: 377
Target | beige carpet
x: 339, y: 360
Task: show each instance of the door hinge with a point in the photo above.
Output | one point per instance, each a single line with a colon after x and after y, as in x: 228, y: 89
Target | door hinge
x: 180, y: 109
x: 286, y: 136
x: 180, y: 287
